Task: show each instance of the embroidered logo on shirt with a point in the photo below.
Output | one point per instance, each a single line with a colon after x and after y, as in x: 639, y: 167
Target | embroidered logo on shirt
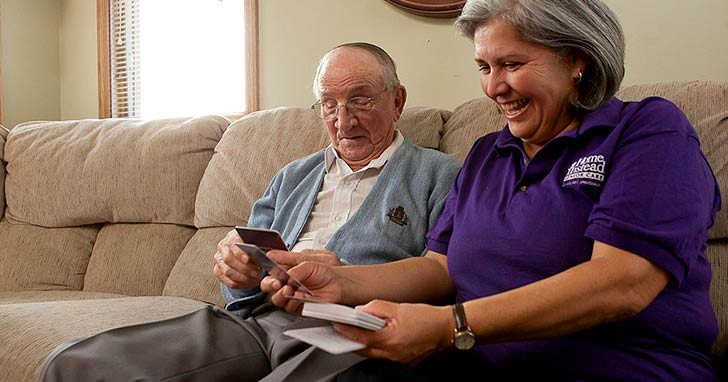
x: 586, y: 170
x: 398, y: 216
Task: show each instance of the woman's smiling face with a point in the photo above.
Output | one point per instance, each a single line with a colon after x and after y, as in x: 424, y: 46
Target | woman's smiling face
x: 531, y: 84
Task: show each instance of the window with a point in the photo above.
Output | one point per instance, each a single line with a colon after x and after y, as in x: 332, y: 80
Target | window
x: 164, y: 58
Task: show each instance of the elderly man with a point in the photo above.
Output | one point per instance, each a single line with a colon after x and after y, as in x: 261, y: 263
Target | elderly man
x: 360, y: 99
x: 370, y: 197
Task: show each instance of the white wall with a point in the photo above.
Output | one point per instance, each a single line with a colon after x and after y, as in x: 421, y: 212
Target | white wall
x: 674, y: 39
x: 434, y: 62
x: 29, y: 60
x: 666, y: 40
x: 79, y: 75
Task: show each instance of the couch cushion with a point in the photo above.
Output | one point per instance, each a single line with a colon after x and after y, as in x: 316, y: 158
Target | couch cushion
x: 705, y: 103
x: 718, y: 255
x: 74, y: 173
x: 2, y: 171
x: 423, y: 126
x: 39, y: 258
x: 135, y: 259
x: 469, y: 121
x: 256, y: 146
x: 192, y: 276
x: 27, y: 340
x: 250, y: 152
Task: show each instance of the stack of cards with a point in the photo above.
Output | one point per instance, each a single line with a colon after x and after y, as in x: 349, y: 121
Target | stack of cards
x: 343, y: 314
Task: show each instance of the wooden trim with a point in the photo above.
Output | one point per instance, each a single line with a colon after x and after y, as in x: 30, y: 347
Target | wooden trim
x: 2, y: 58
x: 251, y: 55
x: 103, y: 52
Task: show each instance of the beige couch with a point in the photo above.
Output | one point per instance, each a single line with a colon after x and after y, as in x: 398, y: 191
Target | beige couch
x: 114, y: 222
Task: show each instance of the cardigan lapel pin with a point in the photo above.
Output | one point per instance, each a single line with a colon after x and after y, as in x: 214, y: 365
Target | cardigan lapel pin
x: 398, y: 216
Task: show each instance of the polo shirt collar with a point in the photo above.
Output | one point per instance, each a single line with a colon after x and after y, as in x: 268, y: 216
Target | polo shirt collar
x: 607, y: 115
x: 331, y: 156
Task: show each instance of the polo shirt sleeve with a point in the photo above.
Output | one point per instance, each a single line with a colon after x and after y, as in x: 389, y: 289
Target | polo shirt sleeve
x: 438, y: 238
x: 660, y: 196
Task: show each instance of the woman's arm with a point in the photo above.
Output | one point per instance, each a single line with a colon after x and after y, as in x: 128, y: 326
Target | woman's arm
x: 417, y: 279
x: 613, y: 285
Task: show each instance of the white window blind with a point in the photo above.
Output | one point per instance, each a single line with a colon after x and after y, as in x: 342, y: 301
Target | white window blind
x: 125, y: 65
x: 177, y: 57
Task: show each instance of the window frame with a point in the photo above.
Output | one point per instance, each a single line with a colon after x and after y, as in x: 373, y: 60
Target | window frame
x: 104, y: 56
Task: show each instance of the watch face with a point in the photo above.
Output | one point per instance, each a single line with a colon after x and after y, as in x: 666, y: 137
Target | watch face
x: 464, y: 340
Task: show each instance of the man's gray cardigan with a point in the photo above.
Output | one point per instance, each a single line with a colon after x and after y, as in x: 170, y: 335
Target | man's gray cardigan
x: 390, y: 224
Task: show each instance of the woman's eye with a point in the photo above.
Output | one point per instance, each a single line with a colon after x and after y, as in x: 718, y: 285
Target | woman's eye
x: 511, y: 65
x: 484, y: 69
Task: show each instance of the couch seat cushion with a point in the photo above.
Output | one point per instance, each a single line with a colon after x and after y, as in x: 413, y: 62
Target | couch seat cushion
x: 30, y: 331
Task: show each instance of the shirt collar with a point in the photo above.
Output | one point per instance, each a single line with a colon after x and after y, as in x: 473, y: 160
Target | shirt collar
x: 331, y: 156
x: 607, y: 115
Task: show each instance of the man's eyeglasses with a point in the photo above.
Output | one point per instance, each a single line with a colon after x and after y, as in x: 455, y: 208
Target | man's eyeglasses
x: 328, y: 109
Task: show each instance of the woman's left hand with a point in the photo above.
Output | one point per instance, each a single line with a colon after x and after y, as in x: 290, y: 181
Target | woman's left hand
x: 412, y: 332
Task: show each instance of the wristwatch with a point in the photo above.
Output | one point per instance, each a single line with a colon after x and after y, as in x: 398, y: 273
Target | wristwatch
x: 464, y: 338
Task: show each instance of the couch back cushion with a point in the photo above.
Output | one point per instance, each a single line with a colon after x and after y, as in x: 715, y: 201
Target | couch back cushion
x: 256, y: 146
x: 36, y: 258
x: 2, y: 173
x: 135, y: 259
x: 469, y: 121
x: 192, y: 274
x: 705, y: 103
x: 74, y: 173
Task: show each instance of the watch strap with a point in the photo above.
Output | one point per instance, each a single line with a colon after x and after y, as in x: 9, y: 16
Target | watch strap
x: 461, y: 323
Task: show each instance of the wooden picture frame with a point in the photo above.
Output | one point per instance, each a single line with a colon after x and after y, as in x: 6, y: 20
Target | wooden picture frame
x: 431, y: 8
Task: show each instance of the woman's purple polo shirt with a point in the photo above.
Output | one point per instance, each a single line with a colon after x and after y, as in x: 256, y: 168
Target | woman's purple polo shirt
x: 631, y: 176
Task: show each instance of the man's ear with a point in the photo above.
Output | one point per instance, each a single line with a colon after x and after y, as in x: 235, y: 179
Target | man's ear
x: 400, y: 98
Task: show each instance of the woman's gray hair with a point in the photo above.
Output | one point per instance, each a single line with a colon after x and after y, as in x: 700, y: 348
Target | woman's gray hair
x: 389, y: 68
x: 586, y: 29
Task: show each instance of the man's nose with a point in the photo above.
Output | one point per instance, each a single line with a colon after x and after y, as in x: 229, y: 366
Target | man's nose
x: 344, y: 118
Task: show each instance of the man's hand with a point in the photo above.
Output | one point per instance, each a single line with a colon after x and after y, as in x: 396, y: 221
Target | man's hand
x: 232, y: 266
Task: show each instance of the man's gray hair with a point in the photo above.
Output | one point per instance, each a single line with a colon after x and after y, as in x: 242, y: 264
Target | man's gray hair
x: 389, y: 68
x: 586, y: 29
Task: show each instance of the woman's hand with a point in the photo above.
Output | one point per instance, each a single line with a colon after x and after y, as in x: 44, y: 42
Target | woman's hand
x: 412, y: 332
x: 320, y: 278
x: 290, y: 259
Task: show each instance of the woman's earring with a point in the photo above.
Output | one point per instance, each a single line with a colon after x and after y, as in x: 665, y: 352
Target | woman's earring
x: 578, y: 78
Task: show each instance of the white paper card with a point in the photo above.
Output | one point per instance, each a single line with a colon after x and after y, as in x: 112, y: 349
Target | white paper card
x: 343, y: 314
x: 326, y: 338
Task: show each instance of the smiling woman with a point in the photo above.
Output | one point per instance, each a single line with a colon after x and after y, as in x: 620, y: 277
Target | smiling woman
x: 167, y: 58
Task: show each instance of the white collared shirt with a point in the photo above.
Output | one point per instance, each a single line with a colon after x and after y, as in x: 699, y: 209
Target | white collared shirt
x: 341, y: 194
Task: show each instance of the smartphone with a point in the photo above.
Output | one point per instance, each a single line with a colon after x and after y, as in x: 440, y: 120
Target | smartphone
x: 266, y: 239
x: 257, y: 254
